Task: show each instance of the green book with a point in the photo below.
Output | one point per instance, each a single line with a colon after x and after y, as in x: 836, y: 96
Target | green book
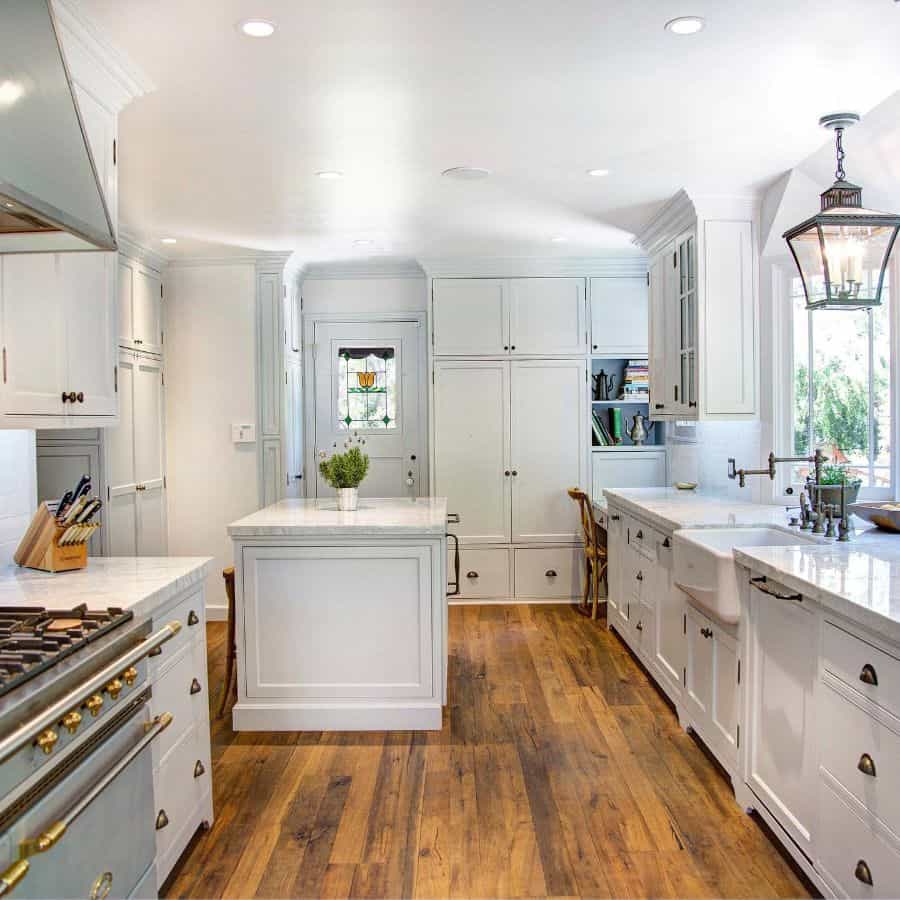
x: 615, y: 424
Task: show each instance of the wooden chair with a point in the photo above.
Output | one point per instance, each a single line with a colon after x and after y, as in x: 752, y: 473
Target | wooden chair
x: 595, y: 559
x: 229, y: 685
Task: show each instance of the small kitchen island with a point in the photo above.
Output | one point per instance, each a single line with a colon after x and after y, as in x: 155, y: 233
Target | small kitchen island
x: 341, y: 617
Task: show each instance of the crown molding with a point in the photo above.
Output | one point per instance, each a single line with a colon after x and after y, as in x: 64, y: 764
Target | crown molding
x: 129, y: 247
x: 82, y: 36
x: 272, y: 263
x: 362, y: 268
x: 610, y: 264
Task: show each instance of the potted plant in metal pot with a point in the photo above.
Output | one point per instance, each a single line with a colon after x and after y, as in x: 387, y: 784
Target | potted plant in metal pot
x: 345, y: 472
x: 832, y: 478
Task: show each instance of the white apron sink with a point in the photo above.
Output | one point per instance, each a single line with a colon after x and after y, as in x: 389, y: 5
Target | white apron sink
x: 705, y: 569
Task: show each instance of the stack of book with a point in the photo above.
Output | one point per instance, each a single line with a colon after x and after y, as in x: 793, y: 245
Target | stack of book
x: 602, y: 436
x: 636, y: 380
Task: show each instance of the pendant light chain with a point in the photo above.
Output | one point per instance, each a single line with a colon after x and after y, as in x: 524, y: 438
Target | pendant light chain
x: 839, y: 175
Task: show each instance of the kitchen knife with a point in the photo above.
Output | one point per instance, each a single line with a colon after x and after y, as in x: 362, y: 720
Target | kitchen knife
x: 87, y: 513
x: 74, y: 510
x: 63, y: 504
x: 83, y: 482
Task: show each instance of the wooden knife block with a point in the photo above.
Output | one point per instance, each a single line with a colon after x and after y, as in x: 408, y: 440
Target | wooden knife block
x: 39, y: 548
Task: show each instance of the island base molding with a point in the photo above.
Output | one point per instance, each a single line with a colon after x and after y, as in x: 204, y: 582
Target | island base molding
x: 336, y: 717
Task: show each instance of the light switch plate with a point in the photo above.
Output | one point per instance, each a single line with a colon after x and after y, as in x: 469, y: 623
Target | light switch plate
x: 243, y: 434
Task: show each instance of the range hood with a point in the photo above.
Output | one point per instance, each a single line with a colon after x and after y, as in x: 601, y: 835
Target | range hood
x: 50, y: 196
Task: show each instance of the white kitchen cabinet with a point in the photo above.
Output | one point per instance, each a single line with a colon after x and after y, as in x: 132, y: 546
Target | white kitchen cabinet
x: 140, y: 295
x: 781, y: 755
x: 615, y: 549
x: 670, y: 622
x: 619, y: 316
x: 547, y: 316
x: 703, y: 301
x: 548, y: 417
x: 504, y: 317
x: 135, y: 461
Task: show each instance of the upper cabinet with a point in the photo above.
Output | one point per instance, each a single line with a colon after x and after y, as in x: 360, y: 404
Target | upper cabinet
x: 140, y: 293
x: 509, y: 317
x: 619, y: 316
x: 704, y: 335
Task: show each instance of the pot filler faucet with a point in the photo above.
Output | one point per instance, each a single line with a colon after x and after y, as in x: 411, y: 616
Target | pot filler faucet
x: 815, y: 514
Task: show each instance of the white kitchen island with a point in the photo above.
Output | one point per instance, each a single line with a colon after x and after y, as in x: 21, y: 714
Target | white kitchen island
x: 341, y: 617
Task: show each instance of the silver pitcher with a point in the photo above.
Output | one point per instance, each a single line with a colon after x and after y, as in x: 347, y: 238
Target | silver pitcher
x: 638, y: 432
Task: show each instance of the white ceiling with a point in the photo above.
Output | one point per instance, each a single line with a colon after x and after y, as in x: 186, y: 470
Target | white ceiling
x: 393, y: 91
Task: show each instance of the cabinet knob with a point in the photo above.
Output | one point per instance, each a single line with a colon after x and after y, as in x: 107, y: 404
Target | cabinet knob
x: 506, y: 346
x: 863, y: 873
x: 706, y: 632
x: 868, y: 675
x: 866, y: 765
x: 659, y: 405
x: 512, y: 347
x: 195, y: 687
x: 640, y: 535
x: 550, y: 573
x: 507, y: 473
x: 161, y: 820
x: 515, y: 473
x: 80, y: 396
x: 472, y: 574
x: 614, y: 518
x: 69, y: 397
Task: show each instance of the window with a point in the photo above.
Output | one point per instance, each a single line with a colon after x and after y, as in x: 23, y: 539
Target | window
x: 367, y: 388
x: 841, y: 389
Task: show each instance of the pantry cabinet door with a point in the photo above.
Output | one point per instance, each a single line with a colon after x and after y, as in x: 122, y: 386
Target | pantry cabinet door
x: 547, y: 316
x: 120, y: 512
x: 87, y: 282
x: 548, y: 419
x: 125, y: 295
x: 147, y: 311
x: 619, y: 316
x: 470, y: 317
x: 34, y: 335
x: 471, y: 447
x: 149, y: 456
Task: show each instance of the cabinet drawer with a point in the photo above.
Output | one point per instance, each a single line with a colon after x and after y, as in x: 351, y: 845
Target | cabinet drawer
x: 482, y: 573
x: 852, y: 741
x: 845, y: 841
x: 179, y: 786
x: 190, y: 613
x: 548, y: 573
x: 641, y: 538
x: 181, y: 691
x: 637, y: 575
x: 858, y: 663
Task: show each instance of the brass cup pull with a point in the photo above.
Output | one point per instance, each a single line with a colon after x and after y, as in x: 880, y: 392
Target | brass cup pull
x: 161, y: 820
x: 199, y: 769
x: 195, y: 687
x: 868, y: 675
x: 129, y: 676
x: 71, y: 721
x: 193, y: 618
x: 94, y: 704
x: 114, y: 688
x: 550, y: 573
x: 472, y: 574
x: 47, y: 741
x: 866, y: 765
x: 863, y: 873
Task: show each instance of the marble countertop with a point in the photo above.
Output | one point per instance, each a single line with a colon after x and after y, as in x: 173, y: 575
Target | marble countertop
x: 141, y: 584
x: 377, y: 517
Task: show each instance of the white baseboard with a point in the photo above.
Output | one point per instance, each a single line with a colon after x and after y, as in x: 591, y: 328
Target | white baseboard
x: 508, y: 601
x: 216, y: 613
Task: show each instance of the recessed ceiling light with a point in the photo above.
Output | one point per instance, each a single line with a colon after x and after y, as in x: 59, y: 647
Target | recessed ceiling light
x: 170, y: 240
x: 685, y: 25
x: 330, y: 174
x: 257, y: 28
x: 598, y: 173
x: 363, y: 242
x: 558, y: 239
x: 467, y: 173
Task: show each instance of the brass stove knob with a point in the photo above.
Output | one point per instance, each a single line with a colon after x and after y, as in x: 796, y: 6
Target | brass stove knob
x: 47, y: 740
x: 114, y: 688
x: 94, y: 704
x: 71, y: 721
x: 129, y: 676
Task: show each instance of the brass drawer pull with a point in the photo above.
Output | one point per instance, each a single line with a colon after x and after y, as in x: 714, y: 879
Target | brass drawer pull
x: 472, y: 574
x: 161, y: 820
x: 199, y: 769
x: 863, y: 873
x: 193, y: 618
x: 868, y: 675
x: 866, y: 765
x: 550, y: 573
x: 195, y: 687
x: 13, y: 875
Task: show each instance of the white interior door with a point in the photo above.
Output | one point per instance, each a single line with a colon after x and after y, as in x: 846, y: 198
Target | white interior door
x: 367, y: 389
x: 548, y: 418
x: 120, y: 514
x: 149, y: 459
x: 471, y: 447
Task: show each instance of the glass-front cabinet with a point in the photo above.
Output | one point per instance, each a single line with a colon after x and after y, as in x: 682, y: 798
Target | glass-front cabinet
x: 685, y: 262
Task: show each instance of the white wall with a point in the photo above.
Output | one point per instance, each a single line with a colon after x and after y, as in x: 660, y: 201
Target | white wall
x: 345, y: 296
x: 18, y: 489
x: 210, y: 384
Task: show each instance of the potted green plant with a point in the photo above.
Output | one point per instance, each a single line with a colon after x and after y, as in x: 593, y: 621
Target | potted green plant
x: 345, y: 472
x: 832, y: 478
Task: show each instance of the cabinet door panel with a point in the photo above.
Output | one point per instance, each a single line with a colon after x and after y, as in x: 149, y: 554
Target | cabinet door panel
x: 619, y: 316
x: 120, y: 439
x: 615, y: 542
x: 724, y: 709
x: 125, y: 294
x: 34, y: 335
x: 471, y: 452
x: 699, y: 666
x: 471, y: 317
x: 548, y: 418
x: 147, y: 311
x: 88, y: 283
x: 670, y: 645
x: 120, y: 521
x: 151, y: 524
x: 149, y: 449
x: 660, y: 324
x: 547, y: 316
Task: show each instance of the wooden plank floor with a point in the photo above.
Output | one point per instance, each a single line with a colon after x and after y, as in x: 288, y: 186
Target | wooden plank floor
x: 560, y: 771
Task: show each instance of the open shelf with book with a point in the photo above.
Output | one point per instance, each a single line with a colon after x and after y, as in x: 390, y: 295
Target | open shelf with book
x: 619, y: 391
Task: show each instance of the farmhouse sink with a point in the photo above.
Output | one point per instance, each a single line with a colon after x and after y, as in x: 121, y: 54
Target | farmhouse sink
x: 705, y: 569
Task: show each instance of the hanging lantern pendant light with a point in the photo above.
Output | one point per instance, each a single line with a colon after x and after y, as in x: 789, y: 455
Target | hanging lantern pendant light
x: 843, y: 251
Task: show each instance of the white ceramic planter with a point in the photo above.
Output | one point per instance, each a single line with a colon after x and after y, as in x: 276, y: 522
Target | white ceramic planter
x: 347, y: 499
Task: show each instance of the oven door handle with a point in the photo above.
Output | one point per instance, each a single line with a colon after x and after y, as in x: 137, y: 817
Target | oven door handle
x: 27, y: 732
x: 51, y: 837
x: 454, y: 585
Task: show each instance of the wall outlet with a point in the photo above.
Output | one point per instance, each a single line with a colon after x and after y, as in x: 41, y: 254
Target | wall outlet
x: 243, y: 434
